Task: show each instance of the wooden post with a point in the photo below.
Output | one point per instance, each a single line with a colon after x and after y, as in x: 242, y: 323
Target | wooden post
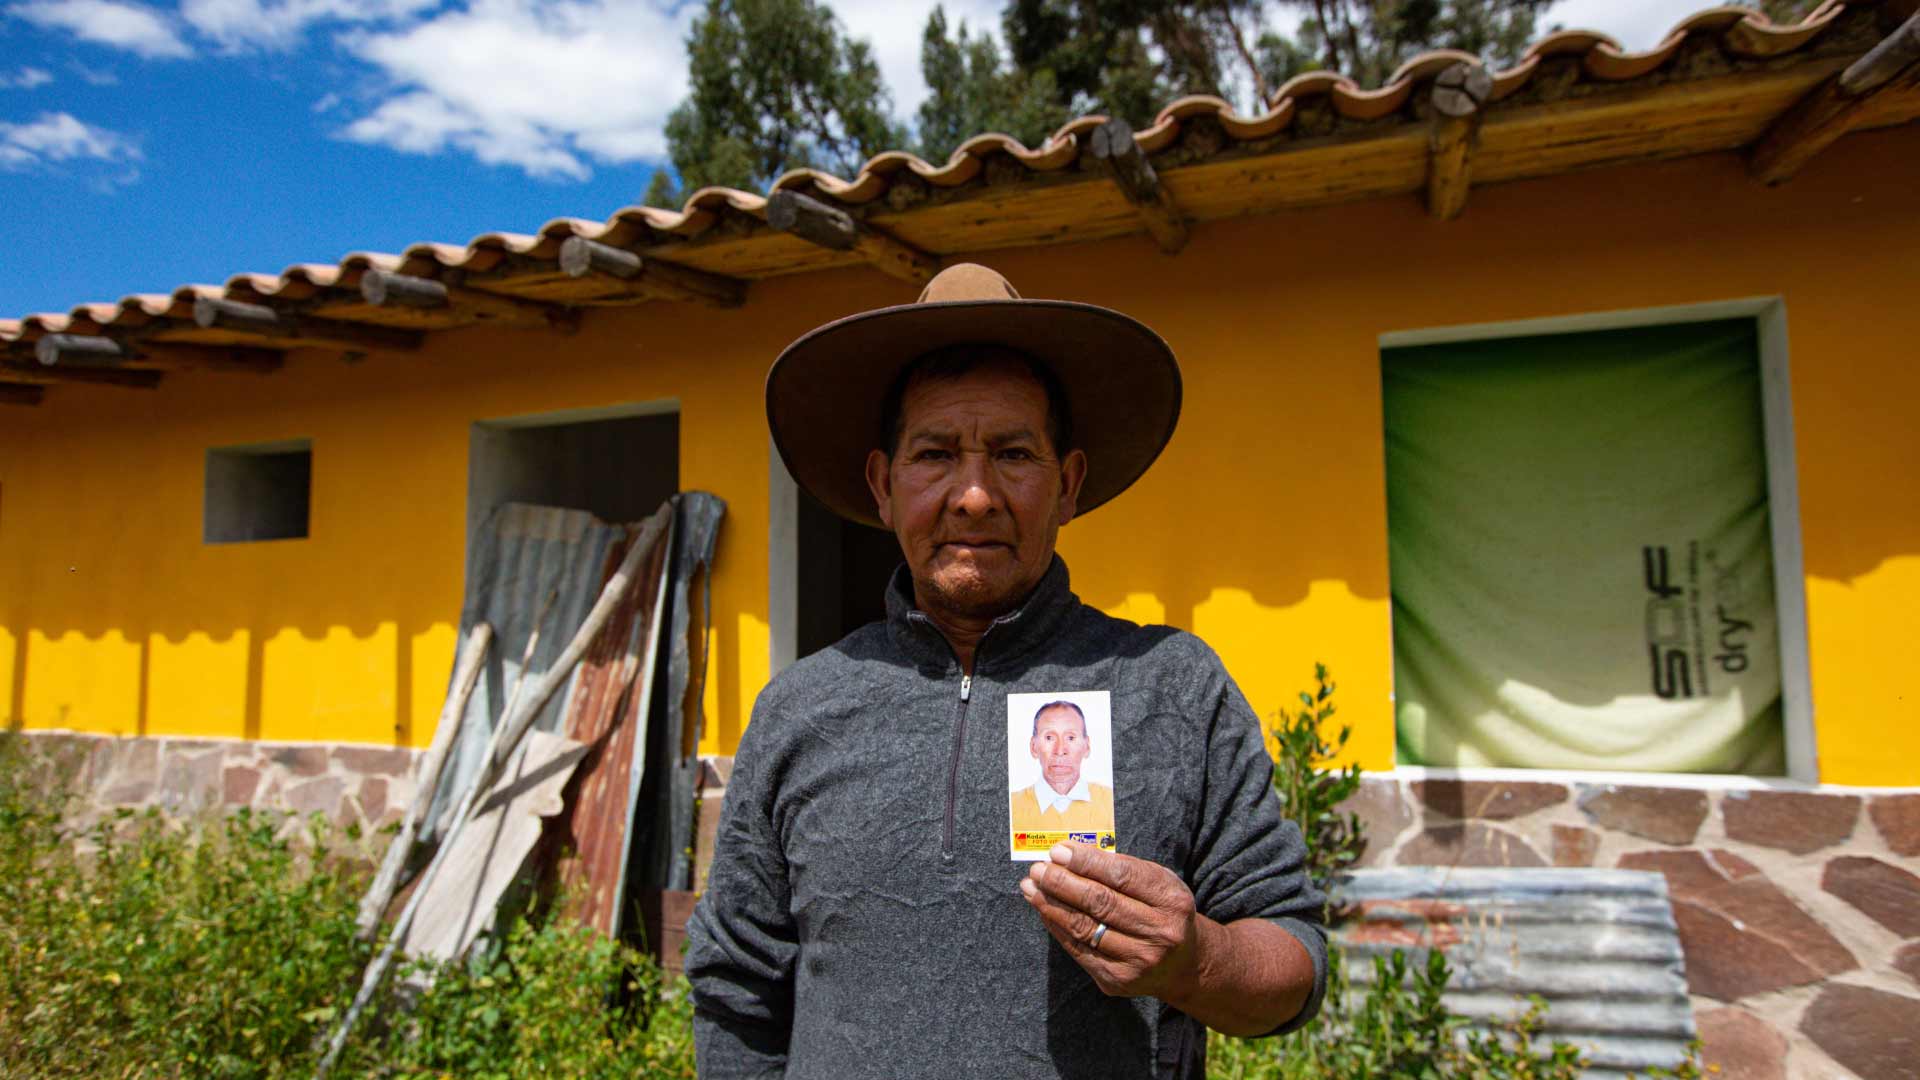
x: 833, y: 228
x: 1831, y: 109
x: 215, y: 313
x: 70, y: 351
x: 466, y: 676
x: 648, y: 278
x: 1118, y: 154
x: 13, y: 393
x: 384, y: 288
x: 1458, y: 95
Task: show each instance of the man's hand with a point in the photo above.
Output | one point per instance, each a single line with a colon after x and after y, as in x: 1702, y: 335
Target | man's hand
x: 1246, y: 977
x: 1149, y: 944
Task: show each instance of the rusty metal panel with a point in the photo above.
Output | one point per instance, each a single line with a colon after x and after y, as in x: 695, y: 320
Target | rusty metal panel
x: 608, y: 710
x: 1600, y: 946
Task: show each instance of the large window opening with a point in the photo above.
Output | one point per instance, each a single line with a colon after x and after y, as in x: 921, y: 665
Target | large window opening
x: 618, y: 463
x: 258, y: 492
x: 1582, y: 553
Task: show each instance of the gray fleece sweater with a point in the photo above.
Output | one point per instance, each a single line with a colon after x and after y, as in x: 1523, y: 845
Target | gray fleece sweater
x: 863, y: 918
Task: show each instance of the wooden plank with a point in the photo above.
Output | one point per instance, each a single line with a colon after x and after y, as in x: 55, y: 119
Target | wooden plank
x: 31, y: 371
x: 1645, y: 124
x: 15, y: 393
x: 664, y: 914
x: 1458, y: 95
x: 260, y: 320
x: 1884, y: 62
x: 647, y: 278
x: 1118, y: 155
x: 1836, y: 107
x: 466, y: 676
x: 834, y: 229
x: 71, y: 351
x: 483, y: 859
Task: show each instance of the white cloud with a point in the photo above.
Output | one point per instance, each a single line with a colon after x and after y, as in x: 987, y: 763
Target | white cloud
x: 133, y: 27
x: 55, y: 139
x: 26, y: 79
x: 93, y: 76
x: 544, y: 86
x: 1637, y: 25
x: 237, y: 25
x: 894, y: 30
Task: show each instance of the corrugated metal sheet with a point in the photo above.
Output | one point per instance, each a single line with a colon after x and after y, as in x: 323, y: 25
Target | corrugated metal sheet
x: 1600, y: 946
x: 531, y: 566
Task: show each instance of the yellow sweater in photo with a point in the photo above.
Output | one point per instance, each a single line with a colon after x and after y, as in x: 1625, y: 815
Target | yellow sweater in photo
x: 1093, y: 815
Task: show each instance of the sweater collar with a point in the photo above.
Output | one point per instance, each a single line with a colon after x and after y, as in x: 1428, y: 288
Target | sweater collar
x: 1010, y: 637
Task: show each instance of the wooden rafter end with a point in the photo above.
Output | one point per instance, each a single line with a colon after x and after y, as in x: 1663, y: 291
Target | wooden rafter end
x: 261, y: 320
x: 384, y: 288
x: 1830, y: 110
x: 1458, y: 96
x: 833, y: 228
x: 1118, y: 155
x: 77, y: 351
x: 648, y: 279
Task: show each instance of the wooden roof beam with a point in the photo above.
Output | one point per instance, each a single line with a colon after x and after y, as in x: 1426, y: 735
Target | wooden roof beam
x: 19, y: 393
x: 648, y: 278
x: 91, y: 351
x: 1117, y: 154
x: 384, y: 288
x: 833, y: 228
x: 30, y: 371
x: 259, y: 320
x: 1458, y: 96
x: 1831, y: 109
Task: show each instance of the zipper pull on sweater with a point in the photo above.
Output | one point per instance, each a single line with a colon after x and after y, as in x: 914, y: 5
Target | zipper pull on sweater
x: 966, y: 687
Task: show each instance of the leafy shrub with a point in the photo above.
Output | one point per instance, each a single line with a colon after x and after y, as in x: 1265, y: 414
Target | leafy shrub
x: 1401, y: 1027
x: 1310, y: 793
x: 144, y: 948
x: 557, y: 1001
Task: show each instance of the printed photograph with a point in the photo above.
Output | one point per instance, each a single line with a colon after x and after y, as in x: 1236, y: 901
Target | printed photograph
x: 1059, y: 772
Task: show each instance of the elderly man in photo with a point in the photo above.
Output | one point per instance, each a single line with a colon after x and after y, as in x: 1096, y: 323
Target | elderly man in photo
x: 1060, y: 799
x: 863, y: 917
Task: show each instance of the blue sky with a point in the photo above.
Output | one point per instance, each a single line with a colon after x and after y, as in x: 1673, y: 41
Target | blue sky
x: 145, y: 145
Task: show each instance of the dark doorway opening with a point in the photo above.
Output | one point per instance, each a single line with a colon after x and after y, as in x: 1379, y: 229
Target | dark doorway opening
x: 843, y: 569
x: 618, y: 464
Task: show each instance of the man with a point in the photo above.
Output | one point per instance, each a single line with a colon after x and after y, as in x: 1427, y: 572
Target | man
x: 1059, y: 800
x: 862, y: 917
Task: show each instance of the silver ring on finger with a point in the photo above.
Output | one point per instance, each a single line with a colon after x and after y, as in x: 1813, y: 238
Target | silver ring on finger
x: 1098, y: 933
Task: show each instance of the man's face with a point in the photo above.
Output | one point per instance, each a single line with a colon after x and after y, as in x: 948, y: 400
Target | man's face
x: 974, y: 491
x: 1060, y: 746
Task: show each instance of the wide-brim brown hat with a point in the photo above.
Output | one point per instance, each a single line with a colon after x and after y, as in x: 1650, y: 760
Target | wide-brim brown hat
x: 826, y: 391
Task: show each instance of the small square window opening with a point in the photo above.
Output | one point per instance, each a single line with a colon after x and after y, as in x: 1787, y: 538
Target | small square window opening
x: 259, y: 492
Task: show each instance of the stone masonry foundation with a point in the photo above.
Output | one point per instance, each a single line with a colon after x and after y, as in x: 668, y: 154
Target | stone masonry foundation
x: 1798, y: 908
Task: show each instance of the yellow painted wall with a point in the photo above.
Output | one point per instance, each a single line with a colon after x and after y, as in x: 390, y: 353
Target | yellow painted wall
x: 1263, y: 529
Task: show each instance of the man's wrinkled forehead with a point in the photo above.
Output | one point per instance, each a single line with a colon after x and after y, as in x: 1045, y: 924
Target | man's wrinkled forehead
x: 998, y: 378
x: 1061, y: 715
x: 1007, y: 376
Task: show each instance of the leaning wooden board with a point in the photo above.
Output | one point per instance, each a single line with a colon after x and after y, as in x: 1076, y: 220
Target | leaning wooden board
x: 489, y: 852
